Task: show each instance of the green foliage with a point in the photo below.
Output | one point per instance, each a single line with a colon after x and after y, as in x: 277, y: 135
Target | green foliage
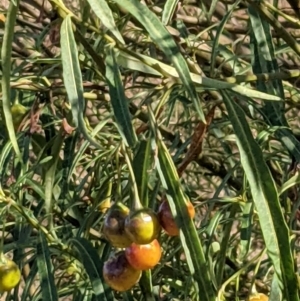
x: 136, y: 102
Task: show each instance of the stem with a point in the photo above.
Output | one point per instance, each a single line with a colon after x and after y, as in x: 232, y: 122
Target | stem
x: 237, y: 274
x: 136, y: 204
x: 34, y: 223
x: 2, y: 257
x: 119, y: 176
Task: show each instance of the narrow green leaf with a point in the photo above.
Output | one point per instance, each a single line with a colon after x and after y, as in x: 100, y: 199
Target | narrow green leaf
x: 226, y: 235
x: 130, y: 61
x: 50, y: 174
x: 45, y: 269
x: 92, y: 52
x: 82, y: 149
x: 188, y: 234
x: 212, y: 9
x: 264, y: 193
x: 103, y: 12
x: 146, y: 286
x: 93, y: 266
x: 217, y: 37
x: 276, y: 291
x: 140, y: 165
x: 265, y: 62
x: 69, y: 155
x: 214, y: 265
x: 29, y: 281
x: 164, y: 40
x: 169, y: 10
x: 118, y: 99
x: 5, y: 155
x: 36, y: 187
x: 246, y: 230
x: 80, y: 294
x: 6, y: 50
x: 294, y: 180
x: 73, y: 78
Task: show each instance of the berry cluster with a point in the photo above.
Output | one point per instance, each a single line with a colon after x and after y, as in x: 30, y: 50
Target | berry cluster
x: 136, y: 234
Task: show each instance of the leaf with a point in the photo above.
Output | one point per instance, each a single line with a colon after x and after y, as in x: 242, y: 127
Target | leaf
x: 272, y: 19
x: 188, y: 234
x: 276, y: 292
x: 51, y: 173
x: 178, y: 203
x: 104, y: 13
x: 140, y: 165
x: 36, y: 187
x: 132, y: 63
x: 152, y: 66
x: 93, y: 53
x: 29, y: 281
x: 164, y: 40
x: 168, y: 11
x: 246, y: 230
x: 265, y: 196
x: 146, y: 286
x: 218, y: 34
x: 93, y: 266
x: 82, y: 149
x: 226, y: 236
x: 45, y: 269
x: 294, y: 180
x: 6, y: 50
x: 73, y: 78
x: 69, y: 155
x: 212, y: 9
x: 265, y: 62
x: 5, y: 155
x: 118, y: 99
